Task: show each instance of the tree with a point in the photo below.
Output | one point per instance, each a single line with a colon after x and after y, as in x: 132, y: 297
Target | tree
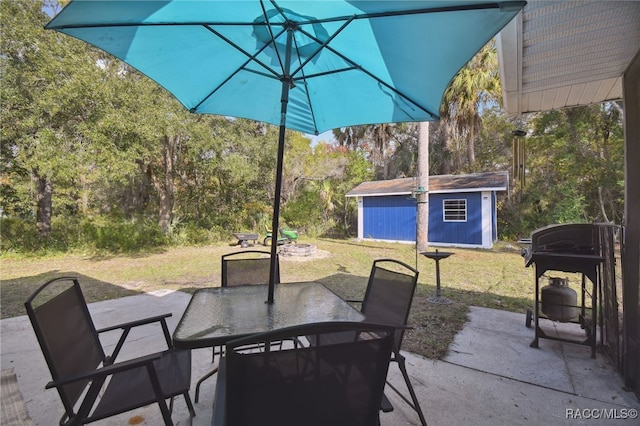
x: 377, y: 141
x: 476, y: 86
x: 324, y: 175
x: 422, y: 196
x: 46, y: 101
x: 574, y: 170
x: 494, y: 142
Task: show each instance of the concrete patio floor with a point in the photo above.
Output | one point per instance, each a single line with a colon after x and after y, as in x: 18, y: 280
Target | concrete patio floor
x: 490, y: 377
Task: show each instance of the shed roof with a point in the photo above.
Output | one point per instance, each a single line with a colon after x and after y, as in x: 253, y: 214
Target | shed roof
x: 476, y: 182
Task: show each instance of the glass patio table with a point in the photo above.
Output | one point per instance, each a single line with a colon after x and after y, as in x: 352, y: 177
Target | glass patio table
x: 218, y: 314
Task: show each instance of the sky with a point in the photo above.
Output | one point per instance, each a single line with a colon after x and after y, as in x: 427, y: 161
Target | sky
x: 326, y: 137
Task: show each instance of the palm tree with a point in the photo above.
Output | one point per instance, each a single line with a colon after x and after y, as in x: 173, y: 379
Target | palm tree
x: 476, y: 85
x: 349, y: 136
x: 422, y: 195
x: 375, y: 139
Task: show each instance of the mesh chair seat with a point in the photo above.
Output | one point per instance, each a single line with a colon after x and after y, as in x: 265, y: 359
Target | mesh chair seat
x: 132, y: 388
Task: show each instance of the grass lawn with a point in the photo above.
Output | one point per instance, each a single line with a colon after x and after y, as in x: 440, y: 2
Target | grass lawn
x: 490, y: 278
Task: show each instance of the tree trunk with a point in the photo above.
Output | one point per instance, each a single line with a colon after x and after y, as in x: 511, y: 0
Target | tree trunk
x: 164, y: 183
x: 471, y: 148
x: 84, y: 195
x: 422, y: 196
x: 44, y: 191
x: 448, y: 149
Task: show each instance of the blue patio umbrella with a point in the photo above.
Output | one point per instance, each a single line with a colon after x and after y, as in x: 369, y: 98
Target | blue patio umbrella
x: 304, y: 65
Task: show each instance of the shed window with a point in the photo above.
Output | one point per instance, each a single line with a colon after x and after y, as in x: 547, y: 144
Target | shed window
x: 455, y: 210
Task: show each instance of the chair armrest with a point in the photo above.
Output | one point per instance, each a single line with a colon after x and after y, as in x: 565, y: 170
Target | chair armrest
x: 127, y: 326
x: 136, y: 323
x: 219, y: 402
x: 106, y: 371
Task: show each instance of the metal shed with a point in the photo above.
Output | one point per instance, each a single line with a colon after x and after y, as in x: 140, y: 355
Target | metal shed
x: 462, y: 209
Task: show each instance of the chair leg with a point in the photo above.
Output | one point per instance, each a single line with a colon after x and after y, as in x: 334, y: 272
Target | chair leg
x: 385, y: 405
x: 205, y: 377
x: 187, y: 399
x: 213, y: 353
x: 415, y: 404
x: 166, y: 415
x: 162, y: 403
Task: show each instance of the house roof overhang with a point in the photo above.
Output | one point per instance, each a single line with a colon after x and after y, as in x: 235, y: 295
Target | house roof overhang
x: 558, y: 54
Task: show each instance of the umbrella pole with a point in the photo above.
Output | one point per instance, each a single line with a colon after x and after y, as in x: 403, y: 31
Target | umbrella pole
x: 284, y: 99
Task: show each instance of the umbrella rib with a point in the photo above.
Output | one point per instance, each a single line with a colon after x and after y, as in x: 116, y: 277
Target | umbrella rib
x: 301, y: 66
x: 370, y: 74
x: 264, y: 74
x: 443, y: 9
x: 322, y: 74
x: 396, y: 91
x: 251, y: 58
x: 323, y: 44
x: 270, y: 29
x: 150, y: 24
x: 306, y: 91
x: 350, y: 18
x: 242, y: 68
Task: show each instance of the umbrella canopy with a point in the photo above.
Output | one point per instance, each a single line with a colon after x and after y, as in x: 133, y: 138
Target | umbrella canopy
x: 304, y: 65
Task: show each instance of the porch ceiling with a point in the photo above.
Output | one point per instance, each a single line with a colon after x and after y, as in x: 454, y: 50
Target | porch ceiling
x: 559, y: 54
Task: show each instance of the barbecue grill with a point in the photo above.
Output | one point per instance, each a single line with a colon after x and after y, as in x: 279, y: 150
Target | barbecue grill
x: 573, y: 248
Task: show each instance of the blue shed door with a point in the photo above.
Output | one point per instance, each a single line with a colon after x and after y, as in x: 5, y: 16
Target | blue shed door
x: 389, y: 218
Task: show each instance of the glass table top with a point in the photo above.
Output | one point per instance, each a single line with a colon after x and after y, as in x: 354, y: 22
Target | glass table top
x: 218, y: 314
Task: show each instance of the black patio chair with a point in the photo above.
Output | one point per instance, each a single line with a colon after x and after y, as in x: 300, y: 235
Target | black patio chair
x: 248, y: 267
x: 325, y: 384
x: 387, y: 300
x: 91, y: 385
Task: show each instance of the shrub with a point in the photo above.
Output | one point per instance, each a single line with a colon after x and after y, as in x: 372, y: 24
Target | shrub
x: 87, y: 235
x: 117, y: 235
x: 191, y: 234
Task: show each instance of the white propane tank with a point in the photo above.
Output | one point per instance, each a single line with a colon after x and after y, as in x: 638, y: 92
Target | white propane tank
x: 559, y: 300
